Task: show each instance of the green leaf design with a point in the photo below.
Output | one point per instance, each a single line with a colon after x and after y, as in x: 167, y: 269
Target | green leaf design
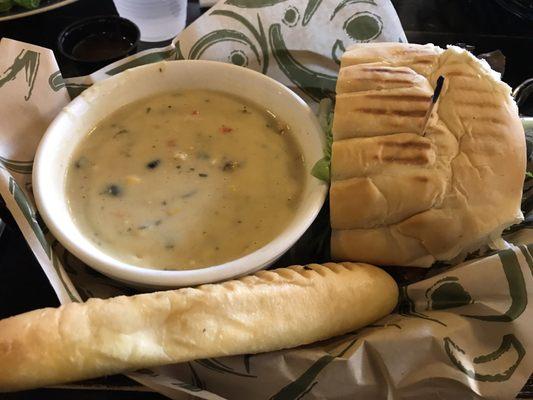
x: 40, y: 230
x: 517, y: 289
x: 527, y: 255
x: 29, y: 213
x: 246, y: 361
x: 56, y: 263
x: 303, y: 384
x: 447, y: 293
x: 187, y: 386
x: 264, y: 45
x: 221, y: 35
x: 315, y: 84
x: 217, y: 366
x: 179, y: 54
x: 406, y: 307
x: 259, y: 35
x: 363, y: 26
x: 20, y: 167
x: 80, y: 272
x: 56, y: 81
x: 75, y: 89
x: 28, y: 61
x: 146, y: 371
x: 337, y: 50
x: 196, y: 381
x: 143, y: 60
x: 345, y: 3
x: 253, y: 3
x: 529, y: 248
x: 495, y: 371
x: 238, y: 57
x: 291, y: 16
x: 310, y: 9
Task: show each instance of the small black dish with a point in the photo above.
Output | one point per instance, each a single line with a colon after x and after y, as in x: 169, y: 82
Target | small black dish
x: 95, y: 42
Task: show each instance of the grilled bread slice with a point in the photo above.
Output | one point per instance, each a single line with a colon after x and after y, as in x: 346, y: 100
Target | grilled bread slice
x: 402, y: 198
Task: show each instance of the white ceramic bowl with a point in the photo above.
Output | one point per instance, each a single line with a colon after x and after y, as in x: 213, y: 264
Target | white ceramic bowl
x: 96, y: 103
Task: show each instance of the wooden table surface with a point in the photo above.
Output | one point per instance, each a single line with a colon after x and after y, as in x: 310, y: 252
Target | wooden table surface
x: 483, y: 24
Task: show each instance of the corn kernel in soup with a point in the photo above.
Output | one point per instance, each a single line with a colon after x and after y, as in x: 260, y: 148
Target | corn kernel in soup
x: 185, y: 180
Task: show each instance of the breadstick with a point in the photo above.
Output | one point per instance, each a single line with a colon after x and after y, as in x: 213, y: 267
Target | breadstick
x: 267, y: 311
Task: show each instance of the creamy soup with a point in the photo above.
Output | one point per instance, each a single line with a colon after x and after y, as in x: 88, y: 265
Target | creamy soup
x: 185, y: 180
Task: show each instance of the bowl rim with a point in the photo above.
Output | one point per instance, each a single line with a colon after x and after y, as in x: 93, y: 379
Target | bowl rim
x: 147, y: 277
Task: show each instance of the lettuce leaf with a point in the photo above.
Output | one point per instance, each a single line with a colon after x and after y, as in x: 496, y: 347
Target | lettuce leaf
x: 321, y: 169
x: 29, y: 4
x: 5, y: 5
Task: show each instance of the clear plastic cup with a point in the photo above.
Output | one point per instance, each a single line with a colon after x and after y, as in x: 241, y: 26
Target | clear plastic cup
x: 157, y: 20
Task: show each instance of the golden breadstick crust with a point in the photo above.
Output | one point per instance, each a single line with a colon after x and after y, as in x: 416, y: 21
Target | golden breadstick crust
x: 267, y: 311
x: 400, y: 198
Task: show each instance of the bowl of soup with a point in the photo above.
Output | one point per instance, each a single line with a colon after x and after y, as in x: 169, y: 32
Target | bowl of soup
x: 180, y: 173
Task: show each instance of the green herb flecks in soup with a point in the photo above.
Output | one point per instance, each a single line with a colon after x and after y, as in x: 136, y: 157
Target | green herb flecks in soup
x: 185, y: 180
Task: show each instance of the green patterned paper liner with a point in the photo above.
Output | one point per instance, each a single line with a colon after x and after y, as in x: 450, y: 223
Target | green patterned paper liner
x: 464, y: 332
x: 279, y: 38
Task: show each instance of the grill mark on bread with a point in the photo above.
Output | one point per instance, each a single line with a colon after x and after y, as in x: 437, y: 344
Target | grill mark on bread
x: 401, y: 113
x: 390, y: 70
x: 232, y: 285
x: 383, y: 80
x: 400, y: 97
x: 418, y: 160
x: 407, y: 145
x: 460, y: 74
x: 422, y: 179
x: 289, y: 274
x: 423, y: 62
x: 322, y: 271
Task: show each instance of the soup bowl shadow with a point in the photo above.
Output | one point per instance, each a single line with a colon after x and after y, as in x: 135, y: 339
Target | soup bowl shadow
x: 74, y: 122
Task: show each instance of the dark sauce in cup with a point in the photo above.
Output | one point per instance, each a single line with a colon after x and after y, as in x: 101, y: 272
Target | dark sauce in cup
x: 92, y: 43
x: 102, y: 46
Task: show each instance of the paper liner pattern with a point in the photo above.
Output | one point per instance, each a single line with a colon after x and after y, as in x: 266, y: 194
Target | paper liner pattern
x: 298, y: 43
x: 463, y: 333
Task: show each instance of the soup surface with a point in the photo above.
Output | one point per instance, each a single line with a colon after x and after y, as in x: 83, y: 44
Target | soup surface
x: 185, y: 180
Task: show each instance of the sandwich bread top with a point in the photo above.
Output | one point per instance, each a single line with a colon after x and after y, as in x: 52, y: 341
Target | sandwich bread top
x: 402, y: 198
